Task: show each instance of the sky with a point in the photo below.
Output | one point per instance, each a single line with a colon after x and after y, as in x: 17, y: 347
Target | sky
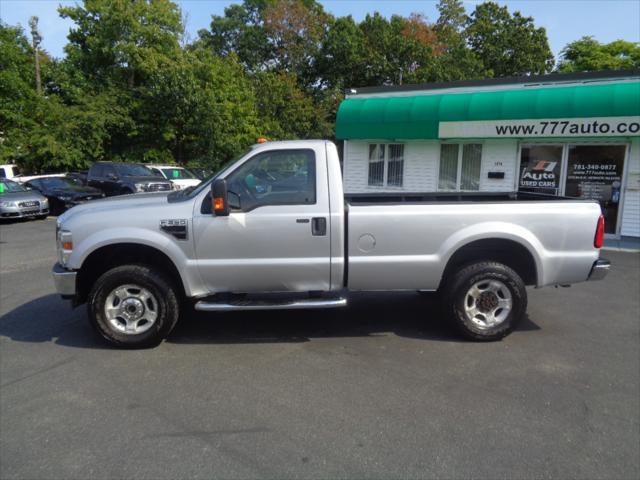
x: 564, y: 20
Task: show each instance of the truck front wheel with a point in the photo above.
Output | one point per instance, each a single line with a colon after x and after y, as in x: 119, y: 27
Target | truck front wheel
x: 133, y: 306
x: 485, y: 300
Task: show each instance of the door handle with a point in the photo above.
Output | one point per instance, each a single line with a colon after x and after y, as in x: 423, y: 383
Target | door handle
x: 318, y: 226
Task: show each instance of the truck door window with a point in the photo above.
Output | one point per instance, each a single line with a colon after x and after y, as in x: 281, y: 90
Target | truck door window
x: 278, y: 177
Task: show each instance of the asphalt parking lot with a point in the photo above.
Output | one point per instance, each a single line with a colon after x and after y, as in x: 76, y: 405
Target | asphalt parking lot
x: 382, y: 389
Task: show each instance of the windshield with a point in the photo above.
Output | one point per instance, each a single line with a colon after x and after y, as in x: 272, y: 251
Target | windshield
x: 9, y: 186
x: 58, y: 182
x: 133, y: 171
x: 177, y: 173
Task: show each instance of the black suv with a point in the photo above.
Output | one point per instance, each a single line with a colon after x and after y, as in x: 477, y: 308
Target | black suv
x: 121, y: 178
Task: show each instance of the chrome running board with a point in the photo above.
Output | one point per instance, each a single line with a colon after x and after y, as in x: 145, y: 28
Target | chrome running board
x: 208, y: 306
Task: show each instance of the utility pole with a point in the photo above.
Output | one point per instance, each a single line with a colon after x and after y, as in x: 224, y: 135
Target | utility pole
x: 36, y: 38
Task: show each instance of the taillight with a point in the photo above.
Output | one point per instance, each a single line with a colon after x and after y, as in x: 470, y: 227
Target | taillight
x: 599, y: 238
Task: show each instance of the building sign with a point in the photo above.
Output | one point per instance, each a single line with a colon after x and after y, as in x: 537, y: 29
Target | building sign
x: 542, y: 176
x: 540, y: 167
x: 543, y: 128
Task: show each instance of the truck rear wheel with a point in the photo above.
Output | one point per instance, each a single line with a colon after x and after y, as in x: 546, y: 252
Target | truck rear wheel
x: 133, y: 306
x: 485, y: 300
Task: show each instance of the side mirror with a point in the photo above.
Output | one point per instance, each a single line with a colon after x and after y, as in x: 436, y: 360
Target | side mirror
x: 219, y: 203
x: 112, y: 176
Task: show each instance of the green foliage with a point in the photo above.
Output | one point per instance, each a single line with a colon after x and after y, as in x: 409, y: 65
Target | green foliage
x: 508, y: 44
x: 122, y: 41
x: 587, y: 54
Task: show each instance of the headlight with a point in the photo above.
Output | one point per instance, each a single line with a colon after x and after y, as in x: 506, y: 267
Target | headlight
x: 64, y: 198
x: 141, y: 187
x: 45, y: 202
x: 64, y: 242
x: 7, y: 204
x: 175, y: 186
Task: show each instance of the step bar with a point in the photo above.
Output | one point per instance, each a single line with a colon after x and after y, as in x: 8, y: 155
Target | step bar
x: 207, y: 306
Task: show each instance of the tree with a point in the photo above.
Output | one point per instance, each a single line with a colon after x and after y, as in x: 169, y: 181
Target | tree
x: 456, y: 61
x: 241, y: 32
x: 296, y: 30
x: 199, y: 109
x: 508, y: 44
x: 122, y: 41
x: 343, y: 60
x: 17, y: 92
x: 587, y: 54
x: 286, y: 111
x: 281, y: 35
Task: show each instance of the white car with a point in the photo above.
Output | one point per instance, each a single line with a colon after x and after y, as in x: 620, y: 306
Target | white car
x: 8, y: 170
x: 179, y: 176
x: 11, y: 171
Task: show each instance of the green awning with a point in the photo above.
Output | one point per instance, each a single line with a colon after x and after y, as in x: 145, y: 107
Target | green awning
x: 417, y: 117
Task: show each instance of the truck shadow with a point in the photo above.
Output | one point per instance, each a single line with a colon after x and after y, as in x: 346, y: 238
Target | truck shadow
x: 49, y: 319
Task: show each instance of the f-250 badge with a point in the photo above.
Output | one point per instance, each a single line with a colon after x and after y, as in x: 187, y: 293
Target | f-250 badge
x: 176, y: 227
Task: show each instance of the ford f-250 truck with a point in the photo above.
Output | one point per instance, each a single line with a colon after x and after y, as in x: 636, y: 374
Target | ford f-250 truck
x: 274, y: 230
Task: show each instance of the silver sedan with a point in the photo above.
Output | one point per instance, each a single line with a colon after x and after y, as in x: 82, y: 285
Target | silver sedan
x: 18, y: 202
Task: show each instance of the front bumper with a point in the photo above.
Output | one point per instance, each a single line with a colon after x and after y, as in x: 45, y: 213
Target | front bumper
x: 23, y: 212
x: 64, y: 280
x: 600, y: 269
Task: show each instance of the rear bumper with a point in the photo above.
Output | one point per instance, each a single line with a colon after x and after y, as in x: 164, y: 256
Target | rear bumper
x: 600, y: 269
x: 64, y: 280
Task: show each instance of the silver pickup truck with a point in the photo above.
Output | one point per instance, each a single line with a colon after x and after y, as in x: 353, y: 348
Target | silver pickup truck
x: 274, y: 230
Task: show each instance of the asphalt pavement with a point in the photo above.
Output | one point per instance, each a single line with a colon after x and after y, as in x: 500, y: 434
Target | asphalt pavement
x: 381, y: 389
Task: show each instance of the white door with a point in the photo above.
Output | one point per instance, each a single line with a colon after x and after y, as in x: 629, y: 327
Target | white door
x: 276, y: 237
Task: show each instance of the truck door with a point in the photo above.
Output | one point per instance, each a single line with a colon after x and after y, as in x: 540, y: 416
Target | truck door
x: 276, y: 237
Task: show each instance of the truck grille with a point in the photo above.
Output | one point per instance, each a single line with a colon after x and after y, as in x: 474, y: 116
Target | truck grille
x: 158, y: 187
x: 29, y: 204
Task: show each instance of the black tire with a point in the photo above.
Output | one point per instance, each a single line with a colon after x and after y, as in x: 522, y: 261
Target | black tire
x: 56, y: 207
x: 458, y: 286
x: 168, y: 305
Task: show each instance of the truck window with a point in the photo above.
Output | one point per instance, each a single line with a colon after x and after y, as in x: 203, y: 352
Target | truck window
x: 279, y: 177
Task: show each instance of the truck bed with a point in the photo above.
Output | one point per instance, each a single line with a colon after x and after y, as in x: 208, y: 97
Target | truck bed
x: 403, y: 241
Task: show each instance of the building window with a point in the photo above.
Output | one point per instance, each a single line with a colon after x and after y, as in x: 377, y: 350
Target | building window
x: 460, y: 167
x: 386, y: 164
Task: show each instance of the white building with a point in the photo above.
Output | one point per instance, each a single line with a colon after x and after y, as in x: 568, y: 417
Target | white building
x: 574, y: 135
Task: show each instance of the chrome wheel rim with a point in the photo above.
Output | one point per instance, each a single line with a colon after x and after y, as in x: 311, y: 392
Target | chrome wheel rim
x: 488, y: 303
x: 131, y: 309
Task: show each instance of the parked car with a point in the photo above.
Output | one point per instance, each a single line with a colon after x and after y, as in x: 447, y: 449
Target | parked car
x: 180, y: 177
x: 18, y: 202
x: 232, y: 242
x: 63, y: 193
x: 80, y: 176
x: 122, y: 178
x: 9, y: 170
x: 201, y: 172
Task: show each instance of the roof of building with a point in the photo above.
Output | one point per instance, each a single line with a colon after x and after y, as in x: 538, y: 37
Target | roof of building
x: 529, y: 80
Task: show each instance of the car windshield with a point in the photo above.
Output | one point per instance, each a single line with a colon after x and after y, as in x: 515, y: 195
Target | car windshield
x: 57, y: 182
x: 9, y: 186
x: 177, y: 173
x: 133, y: 171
